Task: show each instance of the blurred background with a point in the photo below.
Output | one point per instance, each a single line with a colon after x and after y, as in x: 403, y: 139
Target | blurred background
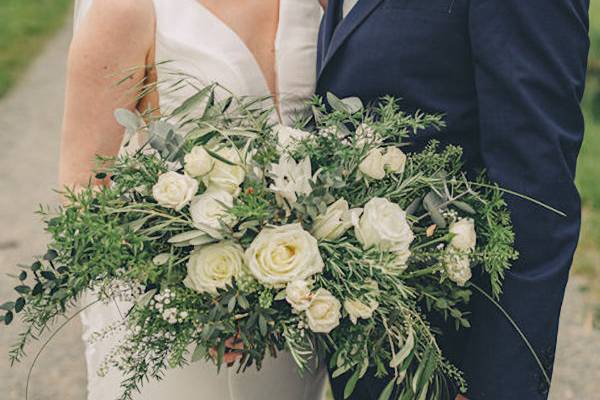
x: 34, y: 38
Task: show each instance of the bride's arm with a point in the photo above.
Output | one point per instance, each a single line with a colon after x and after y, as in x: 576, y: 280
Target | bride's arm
x: 115, y: 36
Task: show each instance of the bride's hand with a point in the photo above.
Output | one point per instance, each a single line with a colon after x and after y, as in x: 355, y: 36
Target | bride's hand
x: 232, y: 354
x: 461, y: 397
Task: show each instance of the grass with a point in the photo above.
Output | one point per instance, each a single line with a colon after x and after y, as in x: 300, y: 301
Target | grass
x: 587, y: 259
x: 26, y: 26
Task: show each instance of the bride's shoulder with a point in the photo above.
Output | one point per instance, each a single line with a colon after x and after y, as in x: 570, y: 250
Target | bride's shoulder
x: 108, y: 22
x: 130, y: 15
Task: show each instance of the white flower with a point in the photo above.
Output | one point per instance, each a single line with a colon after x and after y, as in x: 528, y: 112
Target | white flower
x: 288, y: 136
x: 174, y: 190
x: 214, y: 267
x: 226, y: 176
x: 458, y: 267
x: 298, y: 294
x: 209, y: 210
x: 336, y: 221
x: 324, y: 312
x: 198, y: 162
x: 291, y: 178
x: 283, y: 254
x: 383, y: 224
x: 357, y: 309
x: 465, y: 237
x: 402, y: 259
x: 373, y: 165
x: 394, y: 159
x: 365, y: 134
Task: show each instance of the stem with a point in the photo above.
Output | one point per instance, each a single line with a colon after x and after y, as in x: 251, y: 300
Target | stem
x: 431, y: 242
x: 522, y: 196
x: 519, y: 331
x: 39, y: 353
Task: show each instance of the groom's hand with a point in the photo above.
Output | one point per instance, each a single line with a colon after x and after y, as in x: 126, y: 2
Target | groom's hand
x: 232, y: 354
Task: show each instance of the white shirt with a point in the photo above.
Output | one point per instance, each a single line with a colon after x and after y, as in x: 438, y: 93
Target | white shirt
x: 348, y: 5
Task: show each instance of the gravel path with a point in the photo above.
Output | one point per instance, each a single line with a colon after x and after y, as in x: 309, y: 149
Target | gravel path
x: 30, y: 121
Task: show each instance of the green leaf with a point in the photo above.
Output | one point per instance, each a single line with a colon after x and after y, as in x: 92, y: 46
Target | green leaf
x: 199, y: 353
x: 243, y: 302
x: 464, y: 207
x: 8, y: 317
x: 336, y: 103
x: 218, y: 157
x: 185, y: 236
x: 36, y: 266
x: 262, y: 325
x: 161, y: 259
x: 353, y: 104
x: 8, y: 306
x: 231, y: 304
x: 23, y: 275
x: 23, y: 289
x: 386, y: 393
x: 280, y: 296
x: 48, y: 275
x: 19, y: 304
x: 145, y: 298
x: 193, y: 100
x: 50, y: 255
x: 351, y: 384
x: 406, y: 350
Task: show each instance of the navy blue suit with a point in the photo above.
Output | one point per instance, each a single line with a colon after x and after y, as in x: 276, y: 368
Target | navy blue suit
x: 509, y: 75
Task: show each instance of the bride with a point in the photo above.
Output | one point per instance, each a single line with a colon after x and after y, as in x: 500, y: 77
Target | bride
x: 251, y: 47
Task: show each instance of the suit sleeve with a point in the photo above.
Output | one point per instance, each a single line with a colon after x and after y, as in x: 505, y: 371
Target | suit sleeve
x: 529, y: 60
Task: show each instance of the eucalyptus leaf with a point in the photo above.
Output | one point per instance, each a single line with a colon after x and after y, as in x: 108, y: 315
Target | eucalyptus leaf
x: 464, y: 207
x: 161, y: 259
x: 353, y: 104
x: 128, y: 120
x: 186, y: 236
x: 145, y: 298
x: 336, y: 103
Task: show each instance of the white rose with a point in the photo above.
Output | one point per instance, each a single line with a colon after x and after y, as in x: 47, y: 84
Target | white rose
x: 383, y: 224
x: 288, y: 136
x: 394, y: 159
x: 465, y: 237
x: 458, y: 267
x: 336, y: 221
x: 174, y: 190
x: 209, y: 210
x: 291, y: 178
x: 283, y: 254
x: 298, y: 294
x: 357, y: 309
x: 214, y: 267
x: 324, y: 312
x: 373, y: 165
x: 226, y: 176
x: 198, y: 162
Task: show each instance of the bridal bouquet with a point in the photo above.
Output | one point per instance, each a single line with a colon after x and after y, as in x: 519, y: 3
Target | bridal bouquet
x: 325, y: 240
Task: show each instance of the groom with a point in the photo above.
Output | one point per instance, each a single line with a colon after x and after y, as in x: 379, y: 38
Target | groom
x: 509, y: 76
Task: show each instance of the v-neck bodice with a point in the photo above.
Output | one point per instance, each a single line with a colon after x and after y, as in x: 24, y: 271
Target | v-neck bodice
x: 193, y: 41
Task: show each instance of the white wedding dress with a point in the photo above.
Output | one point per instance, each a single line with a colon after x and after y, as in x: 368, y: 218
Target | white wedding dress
x: 198, y: 44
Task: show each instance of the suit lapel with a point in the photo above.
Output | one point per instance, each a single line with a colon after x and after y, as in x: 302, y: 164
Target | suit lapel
x: 336, y: 36
x: 328, y: 25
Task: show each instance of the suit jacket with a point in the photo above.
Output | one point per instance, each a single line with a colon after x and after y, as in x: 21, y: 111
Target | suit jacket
x: 509, y: 75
